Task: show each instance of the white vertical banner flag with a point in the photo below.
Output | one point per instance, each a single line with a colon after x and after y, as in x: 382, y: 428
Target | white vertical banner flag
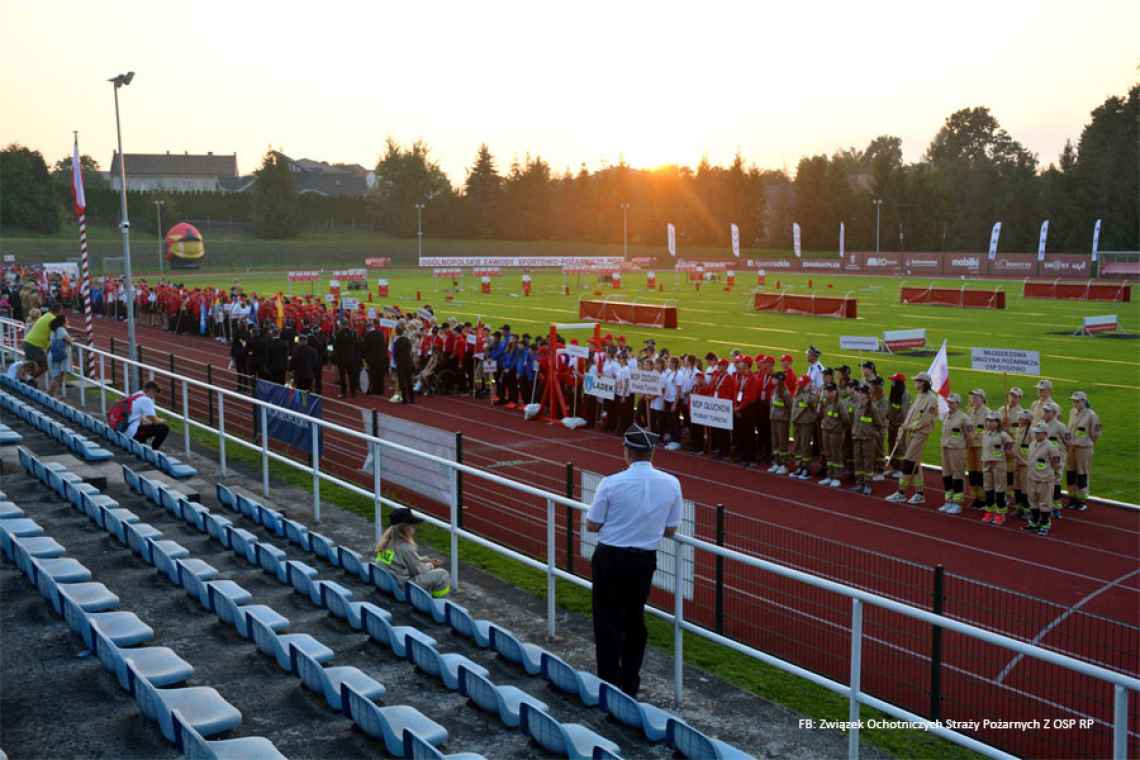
x: 796, y: 239
x: 842, y: 229
x: 1096, y: 239
x: 1041, y: 240
x: 732, y: 228
x: 671, y: 237
x: 995, y: 233
x: 940, y: 380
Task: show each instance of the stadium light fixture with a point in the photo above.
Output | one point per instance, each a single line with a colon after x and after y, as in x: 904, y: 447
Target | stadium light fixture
x: 122, y: 80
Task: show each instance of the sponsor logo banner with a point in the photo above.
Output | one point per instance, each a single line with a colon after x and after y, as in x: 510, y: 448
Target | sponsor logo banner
x: 1006, y: 360
x: 832, y: 264
x: 1022, y: 264
x: 923, y: 263
x: 964, y: 263
x: 378, y: 262
x: 518, y: 261
x: 711, y: 412
x: 778, y: 264
x: 1066, y: 265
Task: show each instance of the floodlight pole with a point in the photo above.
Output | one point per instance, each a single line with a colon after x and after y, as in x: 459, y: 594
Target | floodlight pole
x: 625, y: 231
x: 118, y: 81
x: 878, y: 204
x: 420, y: 230
x: 158, y: 211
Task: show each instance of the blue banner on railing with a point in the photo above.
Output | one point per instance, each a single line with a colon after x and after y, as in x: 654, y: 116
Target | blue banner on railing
x: 283, y: 426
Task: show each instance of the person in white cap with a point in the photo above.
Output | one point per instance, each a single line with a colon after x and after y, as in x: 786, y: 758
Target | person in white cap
x: 1043, y: 460
x: 917, y: 425
x: 953, y: 443
x: 815, y: 368
x: 1044, y: 396
x: 977, y: 413
x: 631, y: 512
x: 995, y: 443
x: 1058, y: 435
x: 1084, y: 430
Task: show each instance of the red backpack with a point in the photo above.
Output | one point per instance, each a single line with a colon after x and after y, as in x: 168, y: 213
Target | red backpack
x: 119, y: 415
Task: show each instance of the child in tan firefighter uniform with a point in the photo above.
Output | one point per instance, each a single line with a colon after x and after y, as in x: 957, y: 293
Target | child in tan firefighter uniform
x: 833, y: 427
x: 953, y: 441
x: 1041, y: 474
x: 779, y: 418
x: 1022, y: 440
x: 804, y: 406
x: 916, y: 428
x: 1083, y: 432
x: 995, y: 444
x: 976, y: 413
x: 1058, y: 435
x: 866, y: 432
x: 1010, y: 413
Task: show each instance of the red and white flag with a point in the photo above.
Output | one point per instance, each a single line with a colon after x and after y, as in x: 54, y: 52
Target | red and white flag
x: 79, y: 199
x: 940, y: 379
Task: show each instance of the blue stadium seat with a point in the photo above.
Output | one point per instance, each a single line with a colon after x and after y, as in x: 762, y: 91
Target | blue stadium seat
x: 89, y: 597
x: 693, y: 744
x: 395, y: 637
x: 197, y: 747
x: 271, y: 519
x: 353, y: 564
x: 301, y: 579
x: 422, y: 750
x: 159, y: 665
x: 272, y: 560
x: 571, y: 740
x: 445, y: 667
x: 424, y: 602
x: 216, y: 528
x: 325, y: 548
x: 60, y: 569
x: 41, y: 547
x: 171, y: 550
x: 138, y: 534
x: 564, y: 677
x: 504, y: 700
x: 226, y: 496
x: 230, y: 590
x: 338, y: 600
x: 297, y: 534
x: 385, y: 580
x: 122, y: 628
x: 242, y: 542
x: 239, y: 616
x: 328, y: 681
x: 462, y: 623
x: 194, y: 514
x: 201, y: 707
x: 8, y: 510
x: 506, y: 644
x: 278, y: 646
x: 390, y: 723
x: 648, y: 719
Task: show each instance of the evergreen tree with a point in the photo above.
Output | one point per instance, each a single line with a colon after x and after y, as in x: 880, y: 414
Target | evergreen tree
x: 276, y: 210
x: 483, y: 196
x: 26, y: 197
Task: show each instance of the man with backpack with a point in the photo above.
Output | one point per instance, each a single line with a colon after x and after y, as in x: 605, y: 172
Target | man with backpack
x: 143, y: 423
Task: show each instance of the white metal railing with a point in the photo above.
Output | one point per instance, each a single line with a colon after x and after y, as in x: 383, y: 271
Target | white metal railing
x: 1120, y: 683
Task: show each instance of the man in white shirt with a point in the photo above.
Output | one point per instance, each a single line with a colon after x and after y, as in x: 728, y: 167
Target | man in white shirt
x: 144, y: 424
x: 631, y: 512
x: 815, y: 368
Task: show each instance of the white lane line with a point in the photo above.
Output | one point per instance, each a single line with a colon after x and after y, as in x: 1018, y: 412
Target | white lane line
x: 1062, y: 618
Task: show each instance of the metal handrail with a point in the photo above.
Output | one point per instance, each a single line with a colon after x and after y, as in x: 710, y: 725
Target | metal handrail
x: 1122, y: 683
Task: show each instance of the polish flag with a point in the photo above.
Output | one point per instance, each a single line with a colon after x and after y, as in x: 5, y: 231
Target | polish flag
x: 940, y: 380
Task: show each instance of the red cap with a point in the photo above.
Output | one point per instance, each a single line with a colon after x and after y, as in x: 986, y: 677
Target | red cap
x: 621, y: 339
x: 898, y: 376
x: 722, y: 363
x: 804, y: 380
x: 745, y: 360
x: 787, y: 358
x: 573, y: 341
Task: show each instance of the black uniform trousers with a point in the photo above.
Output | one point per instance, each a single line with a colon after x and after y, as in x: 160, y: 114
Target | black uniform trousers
x: 404, y: 378
x: 623, y: 578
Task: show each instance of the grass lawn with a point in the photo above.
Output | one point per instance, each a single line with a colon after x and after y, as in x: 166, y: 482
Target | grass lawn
x: 1107, y: 368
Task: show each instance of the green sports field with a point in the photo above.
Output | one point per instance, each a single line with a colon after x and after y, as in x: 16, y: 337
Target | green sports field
x: 1106, y: 367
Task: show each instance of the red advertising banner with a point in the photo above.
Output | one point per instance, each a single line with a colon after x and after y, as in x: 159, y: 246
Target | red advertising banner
x: 378, y: 262
x: 922, y: 263
x: 964, y: 263
x: 1078, y: 291
x: 1014, y: 265
x: 882, y: 263
x: 811, y: 305
x: 961, y: 297
x: 789, y: 264
x: 1065, y: 265
x: 646, y: 315
x: 824, y: 265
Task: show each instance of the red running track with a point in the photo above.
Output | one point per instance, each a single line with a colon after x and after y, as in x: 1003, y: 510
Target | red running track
x: 1087, y: 571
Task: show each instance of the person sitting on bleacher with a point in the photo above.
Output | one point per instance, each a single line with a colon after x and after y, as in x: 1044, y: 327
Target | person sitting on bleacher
x: 23, y: 371
x: 397, y: 552
x: 144, y: 423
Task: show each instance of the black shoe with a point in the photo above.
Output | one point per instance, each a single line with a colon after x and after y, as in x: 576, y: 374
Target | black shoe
x: 1078, y: 506
x: 1031, y: 528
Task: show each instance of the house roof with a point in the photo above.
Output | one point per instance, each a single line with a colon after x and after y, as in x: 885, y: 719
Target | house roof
x: 179, y: 165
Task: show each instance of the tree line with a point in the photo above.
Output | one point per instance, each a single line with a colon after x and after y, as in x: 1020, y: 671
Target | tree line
x: 972, y: 174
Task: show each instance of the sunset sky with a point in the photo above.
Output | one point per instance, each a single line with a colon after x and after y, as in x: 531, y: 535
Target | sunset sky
x: 577, y: 83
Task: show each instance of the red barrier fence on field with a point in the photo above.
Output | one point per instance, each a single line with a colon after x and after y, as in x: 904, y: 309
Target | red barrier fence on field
x: 644, y: 314
x: 1079, y: 291
x: 960, y: 297
x: 811, y: 305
